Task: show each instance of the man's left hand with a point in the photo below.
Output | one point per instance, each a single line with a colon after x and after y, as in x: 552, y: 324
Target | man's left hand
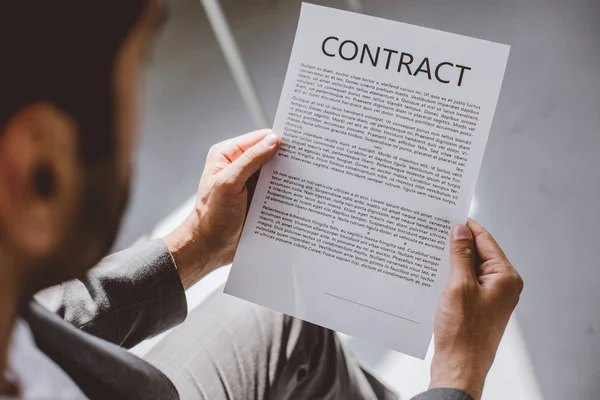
x: 209, y: 236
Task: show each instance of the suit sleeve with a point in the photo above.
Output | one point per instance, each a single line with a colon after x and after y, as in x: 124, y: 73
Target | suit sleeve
x: 130, y: 296
x: 443, y: 394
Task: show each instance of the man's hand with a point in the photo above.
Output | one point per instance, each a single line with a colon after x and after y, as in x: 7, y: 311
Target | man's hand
x: 209, y: 237
x: 481, y: 293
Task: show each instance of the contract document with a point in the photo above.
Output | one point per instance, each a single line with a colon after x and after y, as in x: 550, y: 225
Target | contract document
x: 383, y: 128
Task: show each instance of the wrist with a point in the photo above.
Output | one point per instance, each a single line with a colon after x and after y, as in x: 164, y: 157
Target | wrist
x: 458, y: 373
x: 190, y: 252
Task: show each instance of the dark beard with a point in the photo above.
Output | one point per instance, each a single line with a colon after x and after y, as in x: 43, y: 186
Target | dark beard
x: 104, y: 205
x: 93, y: 231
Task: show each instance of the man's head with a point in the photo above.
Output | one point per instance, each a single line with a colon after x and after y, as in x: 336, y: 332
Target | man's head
x: 69, y: 74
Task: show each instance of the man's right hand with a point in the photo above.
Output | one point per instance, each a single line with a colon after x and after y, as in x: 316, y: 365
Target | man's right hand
x: 208, y: 238
x: 481, y: 293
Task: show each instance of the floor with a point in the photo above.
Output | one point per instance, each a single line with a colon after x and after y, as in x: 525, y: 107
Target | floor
x: 539, y: 180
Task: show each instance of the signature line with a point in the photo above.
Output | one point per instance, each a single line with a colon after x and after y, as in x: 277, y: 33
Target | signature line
x: 372, y: 308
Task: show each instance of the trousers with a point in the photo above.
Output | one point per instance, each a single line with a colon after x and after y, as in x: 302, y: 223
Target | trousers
x: 230, y: 349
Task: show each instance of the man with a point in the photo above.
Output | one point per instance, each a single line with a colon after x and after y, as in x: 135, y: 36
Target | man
x: 69, y: 80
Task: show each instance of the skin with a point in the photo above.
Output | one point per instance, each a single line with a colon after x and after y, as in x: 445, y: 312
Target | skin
x: 472, y: 313
x: 209, y: 236
x: 47, y: 239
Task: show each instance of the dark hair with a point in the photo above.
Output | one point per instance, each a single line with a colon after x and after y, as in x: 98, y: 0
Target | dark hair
x: 63, y: 52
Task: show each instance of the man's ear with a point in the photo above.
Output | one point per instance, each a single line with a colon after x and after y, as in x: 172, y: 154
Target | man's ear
x: 40, y: 179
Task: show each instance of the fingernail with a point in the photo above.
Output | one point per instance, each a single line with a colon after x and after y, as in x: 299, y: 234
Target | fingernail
x: 271, y: 140
x: 461, y: 232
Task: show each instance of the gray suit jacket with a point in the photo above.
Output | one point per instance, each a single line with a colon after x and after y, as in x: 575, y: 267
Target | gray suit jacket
x: 130, y: 296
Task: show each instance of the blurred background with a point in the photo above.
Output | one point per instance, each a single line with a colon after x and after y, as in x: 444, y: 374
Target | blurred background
x: 539, y: 186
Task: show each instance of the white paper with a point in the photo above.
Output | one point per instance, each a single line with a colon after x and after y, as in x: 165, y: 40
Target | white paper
x: 349, y: 223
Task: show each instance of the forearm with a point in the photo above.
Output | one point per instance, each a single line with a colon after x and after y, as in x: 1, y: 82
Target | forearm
x: 128, y: 297
x: 464, y: 384
x: 189, y: 249
x: 443, y: 394
x: 460, y: 372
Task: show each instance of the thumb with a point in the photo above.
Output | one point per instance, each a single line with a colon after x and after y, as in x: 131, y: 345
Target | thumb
x: 462, y: 256
x: 243, y: 167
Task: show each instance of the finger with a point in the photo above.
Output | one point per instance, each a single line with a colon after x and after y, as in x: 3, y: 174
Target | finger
x: 462, y: 256
x: 505, y: 280
x: 233, y: 148
x: 487, y: 248
x: 242, y: 168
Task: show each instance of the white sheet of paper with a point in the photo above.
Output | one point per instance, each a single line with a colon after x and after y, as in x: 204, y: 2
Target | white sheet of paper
x: 383, y: 128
